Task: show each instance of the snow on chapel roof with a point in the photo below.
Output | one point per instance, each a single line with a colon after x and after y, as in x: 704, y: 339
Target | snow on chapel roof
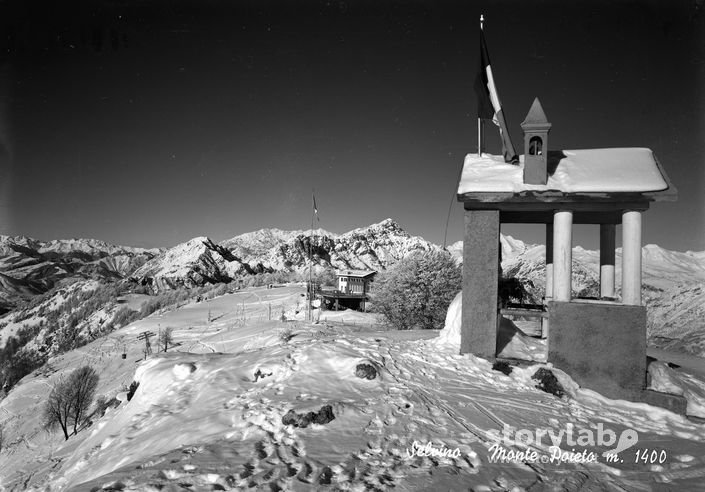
x: 626, y: 170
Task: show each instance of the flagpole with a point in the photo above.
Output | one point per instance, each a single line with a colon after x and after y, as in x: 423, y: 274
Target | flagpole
x: 479, y: 120
x: 479, y: 137
x: 310, y: 259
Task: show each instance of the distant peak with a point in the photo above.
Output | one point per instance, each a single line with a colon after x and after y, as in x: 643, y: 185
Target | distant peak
x: 389, y: 223
x: 385, y: 225
x: 195, y: 241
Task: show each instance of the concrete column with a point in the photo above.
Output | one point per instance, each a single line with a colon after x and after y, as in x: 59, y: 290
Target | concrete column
x: 549, y: 262
x: 631, y: 258
x: 480, y: 283
x: 607, y: 245
x: 562, y: 254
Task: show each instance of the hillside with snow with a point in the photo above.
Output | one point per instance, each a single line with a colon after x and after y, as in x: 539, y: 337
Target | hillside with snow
x: 229, y: 406
x: 222, y: 410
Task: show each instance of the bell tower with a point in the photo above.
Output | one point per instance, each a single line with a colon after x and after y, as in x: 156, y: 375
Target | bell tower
x: 536, y: 128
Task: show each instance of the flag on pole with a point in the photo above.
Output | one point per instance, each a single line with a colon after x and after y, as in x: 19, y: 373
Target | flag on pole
x: 488, y: 105
x: 315, y: 209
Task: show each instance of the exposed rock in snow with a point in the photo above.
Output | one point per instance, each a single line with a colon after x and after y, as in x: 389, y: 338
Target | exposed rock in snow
x: 548, y: 382
x: 365, y: 371
x: 321, y: 417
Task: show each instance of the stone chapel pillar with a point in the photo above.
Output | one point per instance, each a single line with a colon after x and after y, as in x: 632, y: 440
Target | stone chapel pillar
x: 549, y: 262
x: 478, y: 335
x: 631, y: 257
x: 562, y: 254
x: 607, y: 251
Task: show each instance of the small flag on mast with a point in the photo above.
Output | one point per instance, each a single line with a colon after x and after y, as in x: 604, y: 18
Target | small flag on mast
x: 488, y: 105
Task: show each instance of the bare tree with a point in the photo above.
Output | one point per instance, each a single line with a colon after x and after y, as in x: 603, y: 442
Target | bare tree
x: 58, y: 408
x: 84, y: 381
x: 70, y: 400
x: 166, y: 337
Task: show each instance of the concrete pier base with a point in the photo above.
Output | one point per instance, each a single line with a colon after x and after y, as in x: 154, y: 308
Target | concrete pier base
x: 601, y: 345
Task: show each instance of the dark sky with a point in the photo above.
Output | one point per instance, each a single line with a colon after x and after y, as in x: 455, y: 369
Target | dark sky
x: 149, y: 123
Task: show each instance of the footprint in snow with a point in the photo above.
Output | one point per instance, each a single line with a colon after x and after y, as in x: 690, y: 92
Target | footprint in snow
x: 405, y: 407
x: 297, y: 451
x: 305, y: 473
x: 325, y: 476
x: 248, y: 471
x: 260, y: 451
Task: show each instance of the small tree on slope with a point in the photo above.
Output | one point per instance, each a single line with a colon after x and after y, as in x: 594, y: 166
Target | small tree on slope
x: 166, y: 337
x: 417, y: 290
x: 70, y: 400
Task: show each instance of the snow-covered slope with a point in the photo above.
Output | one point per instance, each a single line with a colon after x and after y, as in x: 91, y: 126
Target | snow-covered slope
x: 212, y: 415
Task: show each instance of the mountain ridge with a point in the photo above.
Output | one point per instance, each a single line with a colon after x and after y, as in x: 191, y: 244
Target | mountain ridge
x: 29, y: 267
x: 372, y: 247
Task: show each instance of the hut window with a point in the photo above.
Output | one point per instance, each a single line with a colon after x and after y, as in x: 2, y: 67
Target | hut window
x: 535, y: 146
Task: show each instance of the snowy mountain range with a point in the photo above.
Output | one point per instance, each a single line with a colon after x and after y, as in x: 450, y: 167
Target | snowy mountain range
x: 200, y: 260
x: 674, y: 282
x: 29, y: 267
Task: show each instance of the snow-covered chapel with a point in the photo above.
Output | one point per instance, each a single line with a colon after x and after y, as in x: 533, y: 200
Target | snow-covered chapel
x: 601, y: 342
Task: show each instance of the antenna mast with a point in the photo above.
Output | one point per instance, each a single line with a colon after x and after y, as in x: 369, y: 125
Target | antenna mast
x: 479, y: 120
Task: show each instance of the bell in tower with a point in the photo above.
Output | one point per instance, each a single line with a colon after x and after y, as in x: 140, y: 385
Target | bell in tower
x: 536, y: 128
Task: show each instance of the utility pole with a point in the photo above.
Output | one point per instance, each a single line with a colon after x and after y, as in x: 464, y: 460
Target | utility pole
x: 147, y: 347
x: 309, y: 314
